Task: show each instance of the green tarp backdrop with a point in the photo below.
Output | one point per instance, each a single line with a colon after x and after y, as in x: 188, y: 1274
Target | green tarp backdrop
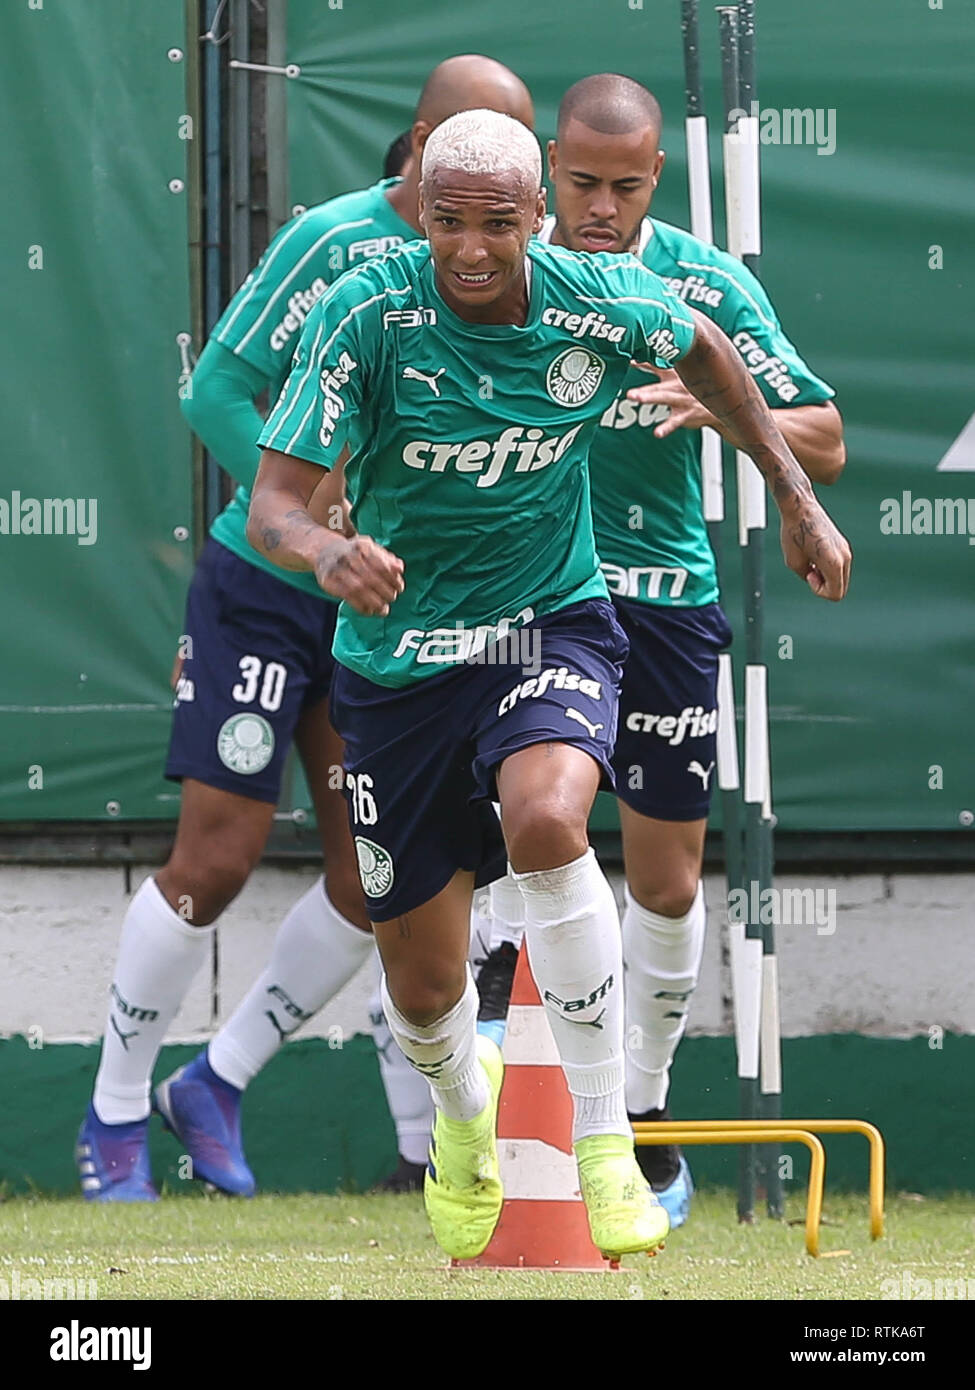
x: 869, y: 698
x: 93, y: 252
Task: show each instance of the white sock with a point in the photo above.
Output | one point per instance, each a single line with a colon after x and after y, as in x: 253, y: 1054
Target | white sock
x: 575, y: 950
x: 445, y: 1053
x: 159, y: 953
x: 507, y: 910
x: 407, y: 1092
x: 663, y: 961
x: 315, y: 953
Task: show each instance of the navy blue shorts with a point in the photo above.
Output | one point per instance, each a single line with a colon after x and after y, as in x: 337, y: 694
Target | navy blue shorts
x: 421, y: 761
x: 257, y: 652
x: 666, y: 750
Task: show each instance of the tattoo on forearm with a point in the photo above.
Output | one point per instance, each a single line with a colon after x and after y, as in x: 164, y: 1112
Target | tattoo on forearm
x: 739, y: 408
x: 271, y: 538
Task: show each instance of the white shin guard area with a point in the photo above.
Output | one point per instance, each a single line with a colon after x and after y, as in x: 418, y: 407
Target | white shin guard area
x: 663, y: 961
x: 575, y: 949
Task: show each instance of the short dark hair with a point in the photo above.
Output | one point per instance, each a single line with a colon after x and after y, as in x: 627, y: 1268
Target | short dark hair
x: 394, y: 161
x: 610, y: 103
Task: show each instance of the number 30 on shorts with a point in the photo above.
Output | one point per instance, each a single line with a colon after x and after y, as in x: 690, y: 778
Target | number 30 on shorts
x: 363, y: 802
x: 272, y: 686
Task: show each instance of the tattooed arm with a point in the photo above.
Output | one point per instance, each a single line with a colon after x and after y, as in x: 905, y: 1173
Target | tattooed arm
x: 281, y: 527
x: 812, y: 546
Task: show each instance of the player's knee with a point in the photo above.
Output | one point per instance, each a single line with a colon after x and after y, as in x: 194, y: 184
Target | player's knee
x: 200, y: 886
x: 545, y: 834
x: 669, y: 894
x: 423, y: 997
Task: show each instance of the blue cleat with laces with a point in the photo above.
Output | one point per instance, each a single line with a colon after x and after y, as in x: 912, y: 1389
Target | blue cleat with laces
x: 113, y: 1161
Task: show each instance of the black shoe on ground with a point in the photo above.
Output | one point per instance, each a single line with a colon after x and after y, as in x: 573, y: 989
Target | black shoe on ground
x: 659, y: 1163
x: 408, y: 1177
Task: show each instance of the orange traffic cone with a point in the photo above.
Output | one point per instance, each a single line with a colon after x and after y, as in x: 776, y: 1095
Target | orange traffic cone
x: 543, y: 1223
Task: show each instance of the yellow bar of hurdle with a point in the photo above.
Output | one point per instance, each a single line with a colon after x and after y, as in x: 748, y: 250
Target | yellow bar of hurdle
x: 751, y: 1132
x: 870, y: 1132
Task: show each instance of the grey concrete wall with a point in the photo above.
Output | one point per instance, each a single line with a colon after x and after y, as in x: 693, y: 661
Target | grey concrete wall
x: 893, y: 957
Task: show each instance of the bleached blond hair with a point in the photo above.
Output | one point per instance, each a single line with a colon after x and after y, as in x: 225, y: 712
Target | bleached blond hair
x: 484, y: 142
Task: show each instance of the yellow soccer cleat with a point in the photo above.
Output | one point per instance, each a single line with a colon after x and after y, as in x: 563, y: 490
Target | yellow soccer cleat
x: 625, y: 1216
x: 462, y: 1188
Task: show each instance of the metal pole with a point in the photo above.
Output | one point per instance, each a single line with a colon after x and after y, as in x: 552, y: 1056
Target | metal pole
x: 712, y: 468
x: 276, y: 121
x: 745, y: 937
x: 239, y: 140
x: 763, y: 852
x: 212, y: 223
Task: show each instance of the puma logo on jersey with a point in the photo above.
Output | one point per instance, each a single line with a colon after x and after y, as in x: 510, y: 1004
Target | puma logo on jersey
x: 581, y: 719
x: 699, y: 771
x: 411, y: 374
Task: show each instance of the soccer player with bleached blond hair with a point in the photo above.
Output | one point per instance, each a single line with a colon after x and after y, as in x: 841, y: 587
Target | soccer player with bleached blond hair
x: 253, y: 677
x: 467, y: 376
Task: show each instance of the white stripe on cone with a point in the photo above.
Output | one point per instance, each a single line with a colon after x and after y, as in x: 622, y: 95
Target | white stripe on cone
x: 533, y: 1171
x: 528, y: 1040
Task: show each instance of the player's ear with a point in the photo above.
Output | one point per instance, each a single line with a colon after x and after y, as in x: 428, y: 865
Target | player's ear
x: 539, y: 211
x: 419, y: 135
x: 658, y: 165
x: 552, y: 149
x: 419, y: 207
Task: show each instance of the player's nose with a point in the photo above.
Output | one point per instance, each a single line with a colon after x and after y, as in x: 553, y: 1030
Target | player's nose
x: 602, y: 205
x: 472, y: 250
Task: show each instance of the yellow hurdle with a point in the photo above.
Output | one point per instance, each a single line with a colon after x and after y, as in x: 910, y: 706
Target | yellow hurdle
x: 747, y: 1132
x: 771, y: 1131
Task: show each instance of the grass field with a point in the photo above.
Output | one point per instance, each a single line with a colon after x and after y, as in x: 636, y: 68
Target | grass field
x: 379, y: 1247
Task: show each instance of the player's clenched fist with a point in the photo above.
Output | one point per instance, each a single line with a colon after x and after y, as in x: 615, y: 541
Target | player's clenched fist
x: 815, y: 549
x: 364, y: 574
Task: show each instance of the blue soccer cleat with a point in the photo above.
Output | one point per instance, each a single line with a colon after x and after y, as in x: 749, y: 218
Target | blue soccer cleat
x: 675, y: 1198
x: 494, y: 981
x: 203, y: 1111
x: 113, y: 1161
x: 666, y: 1170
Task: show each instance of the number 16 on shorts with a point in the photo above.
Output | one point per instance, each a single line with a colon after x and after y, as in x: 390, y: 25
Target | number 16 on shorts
x: 363, y: 802
x: 375, y: 863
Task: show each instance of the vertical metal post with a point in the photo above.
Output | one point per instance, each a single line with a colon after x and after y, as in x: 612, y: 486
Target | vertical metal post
x: 760, y: 817
x: 194, y: 192
x: 276, y: 119
x: 712, y: 469
x: 745, y: 937
x: 212, y: 223
x: 238, y: 123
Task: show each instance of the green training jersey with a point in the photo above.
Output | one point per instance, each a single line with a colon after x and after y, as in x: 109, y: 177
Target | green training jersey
x: 647, y: 493
x: 469, y: 442
x: 263, y: 321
